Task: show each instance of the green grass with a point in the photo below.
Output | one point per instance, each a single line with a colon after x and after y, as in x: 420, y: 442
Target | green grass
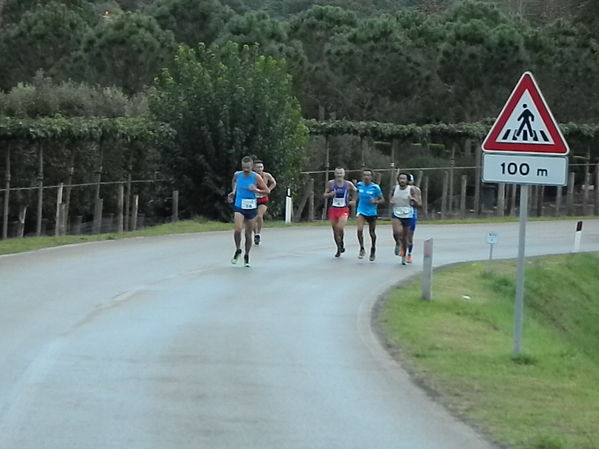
x: 548, y: 397
x: 12, y: 246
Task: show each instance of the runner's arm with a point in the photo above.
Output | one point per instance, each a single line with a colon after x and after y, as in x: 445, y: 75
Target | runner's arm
x: 231, y: 195
x: 262, y: 188
x: 354, y: 193
x: 416, y: 195
x: 328, y: 192
x: 273, y: 181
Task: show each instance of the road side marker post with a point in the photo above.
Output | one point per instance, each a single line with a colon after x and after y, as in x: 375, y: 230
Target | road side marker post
x: 492, y: 240
x: 578, y: 237
x: 524, y: 147
x: 288, y: 207
x: 427, y: 272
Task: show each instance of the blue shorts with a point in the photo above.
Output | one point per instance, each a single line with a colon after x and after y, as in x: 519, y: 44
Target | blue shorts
x: 405, y: 222
x: 413, y: 223
x: 248, y: 214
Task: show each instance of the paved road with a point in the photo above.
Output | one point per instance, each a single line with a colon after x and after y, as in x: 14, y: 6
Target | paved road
x: 160, y: 343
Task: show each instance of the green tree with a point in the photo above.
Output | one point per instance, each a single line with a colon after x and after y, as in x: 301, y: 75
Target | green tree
x: 191, y: 21
x: 44, y: 39
x: 127, y: 51
x: 12, y: 11
x: 224, y: 103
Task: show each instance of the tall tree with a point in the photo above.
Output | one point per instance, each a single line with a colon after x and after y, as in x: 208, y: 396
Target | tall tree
x: 127, y: 51
x: 191, y: 21
x: 224, y: 103
x: 44, y: 39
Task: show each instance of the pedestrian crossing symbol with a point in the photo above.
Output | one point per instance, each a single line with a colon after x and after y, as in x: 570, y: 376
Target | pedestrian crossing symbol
x: 526, y: 125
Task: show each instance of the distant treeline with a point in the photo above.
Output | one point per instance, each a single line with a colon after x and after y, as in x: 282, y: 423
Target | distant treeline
x: 439, y: 61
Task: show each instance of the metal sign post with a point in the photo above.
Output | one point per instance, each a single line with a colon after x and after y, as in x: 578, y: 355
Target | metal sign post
x: 519, y: 308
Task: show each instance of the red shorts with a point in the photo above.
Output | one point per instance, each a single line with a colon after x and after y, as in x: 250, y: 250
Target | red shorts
x: 335, y: 213
x: 264, y: 200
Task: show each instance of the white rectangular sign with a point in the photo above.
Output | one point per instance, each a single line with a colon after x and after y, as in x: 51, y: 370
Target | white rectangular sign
x: 525, y: 169
x: 492, y: 238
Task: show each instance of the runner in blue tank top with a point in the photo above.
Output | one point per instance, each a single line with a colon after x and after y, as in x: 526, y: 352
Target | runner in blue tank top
x: 246, y: 184
x: 370, y: 196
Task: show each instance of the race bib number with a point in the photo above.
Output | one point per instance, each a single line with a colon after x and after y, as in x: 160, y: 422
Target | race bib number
x: 338, y: 202
x: 248, y: 204
x: 403, y: 212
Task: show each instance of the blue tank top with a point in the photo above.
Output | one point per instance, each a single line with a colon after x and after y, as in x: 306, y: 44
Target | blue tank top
x: 341, y: 195
x: 244, y: 197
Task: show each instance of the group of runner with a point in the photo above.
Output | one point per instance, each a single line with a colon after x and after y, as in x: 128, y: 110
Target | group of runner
x: 251, y: 187
x: 405, y: 200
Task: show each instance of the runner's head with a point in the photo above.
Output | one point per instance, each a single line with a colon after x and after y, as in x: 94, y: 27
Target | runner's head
x: 367, y: 175
x: 258, y: 166
x: 339, y: 174
x: 411, y: 179
x: 402, y: 179
x: 247, y: 164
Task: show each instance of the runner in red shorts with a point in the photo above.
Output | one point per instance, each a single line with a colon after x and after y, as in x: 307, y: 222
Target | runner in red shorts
x: 271, y: 183
x: 339, y: 191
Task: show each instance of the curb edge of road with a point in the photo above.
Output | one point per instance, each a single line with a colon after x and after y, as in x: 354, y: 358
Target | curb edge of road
x: 395, y: 351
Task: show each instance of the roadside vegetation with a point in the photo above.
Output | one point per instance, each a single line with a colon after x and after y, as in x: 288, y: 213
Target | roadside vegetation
x: 459, y: 347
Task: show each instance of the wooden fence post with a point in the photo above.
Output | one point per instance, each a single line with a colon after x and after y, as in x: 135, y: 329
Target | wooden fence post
x: 40, y: 190
x: 444, y: 195
x: 570, y: 198
x: 98, y: 210
x: 120, y: 204
x: 597, y: 189
x: 450, y: 207
x: 463, y: 192
x: 175, y: 206
x: 501, y: 200
x: 21, y: 226
x: 425, y: 196
x: 585, y: 194
x: 311, y: 200
x: 134, y: 211
x: 69, y: 187
x: 128, y: 196
x: 58, y: 217
x: 478, y: 157
x: 558, y: 200
x: 6, y: 195
x: 541, y: 202
x: 326, y: 175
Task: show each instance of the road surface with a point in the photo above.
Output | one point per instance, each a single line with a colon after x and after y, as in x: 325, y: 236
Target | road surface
x: 160, y: 343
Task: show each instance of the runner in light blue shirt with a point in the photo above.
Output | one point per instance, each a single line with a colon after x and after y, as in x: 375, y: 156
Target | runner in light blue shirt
x: 370, y: 196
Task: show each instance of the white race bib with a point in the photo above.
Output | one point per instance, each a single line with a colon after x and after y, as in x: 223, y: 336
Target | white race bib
x: 339, y: 202
x: 248, y: 204
x: 403, y: 212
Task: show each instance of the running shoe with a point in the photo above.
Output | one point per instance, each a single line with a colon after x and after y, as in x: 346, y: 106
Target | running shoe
x: 372, y: 255
x: 257, y: 239
x: 403, y: 260
x: 397, y: 249
x: 402, y: 252
x: 362, y: 253
x: 236, y: 257
x: 246, y: 260
x: 342, y: 248
x: 409, y: 258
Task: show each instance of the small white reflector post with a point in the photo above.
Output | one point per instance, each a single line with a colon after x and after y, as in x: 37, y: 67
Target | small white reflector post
x: 578, y: 237
x: 288, y: 207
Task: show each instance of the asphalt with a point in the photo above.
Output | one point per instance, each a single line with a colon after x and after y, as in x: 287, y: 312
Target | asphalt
x: 161, y: 343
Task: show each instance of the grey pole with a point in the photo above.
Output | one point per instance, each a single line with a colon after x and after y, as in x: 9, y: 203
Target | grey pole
x: 519, y: 309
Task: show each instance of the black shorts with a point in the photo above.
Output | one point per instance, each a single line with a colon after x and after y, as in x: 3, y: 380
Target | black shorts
x: 248, y: 214
x: 369, y: 218
x: 405, y: 222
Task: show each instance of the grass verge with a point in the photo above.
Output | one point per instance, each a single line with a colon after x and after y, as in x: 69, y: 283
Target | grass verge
x: 547, y: 398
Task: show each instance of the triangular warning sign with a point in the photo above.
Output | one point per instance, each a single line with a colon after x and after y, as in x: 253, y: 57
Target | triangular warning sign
x: 525, y: 124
